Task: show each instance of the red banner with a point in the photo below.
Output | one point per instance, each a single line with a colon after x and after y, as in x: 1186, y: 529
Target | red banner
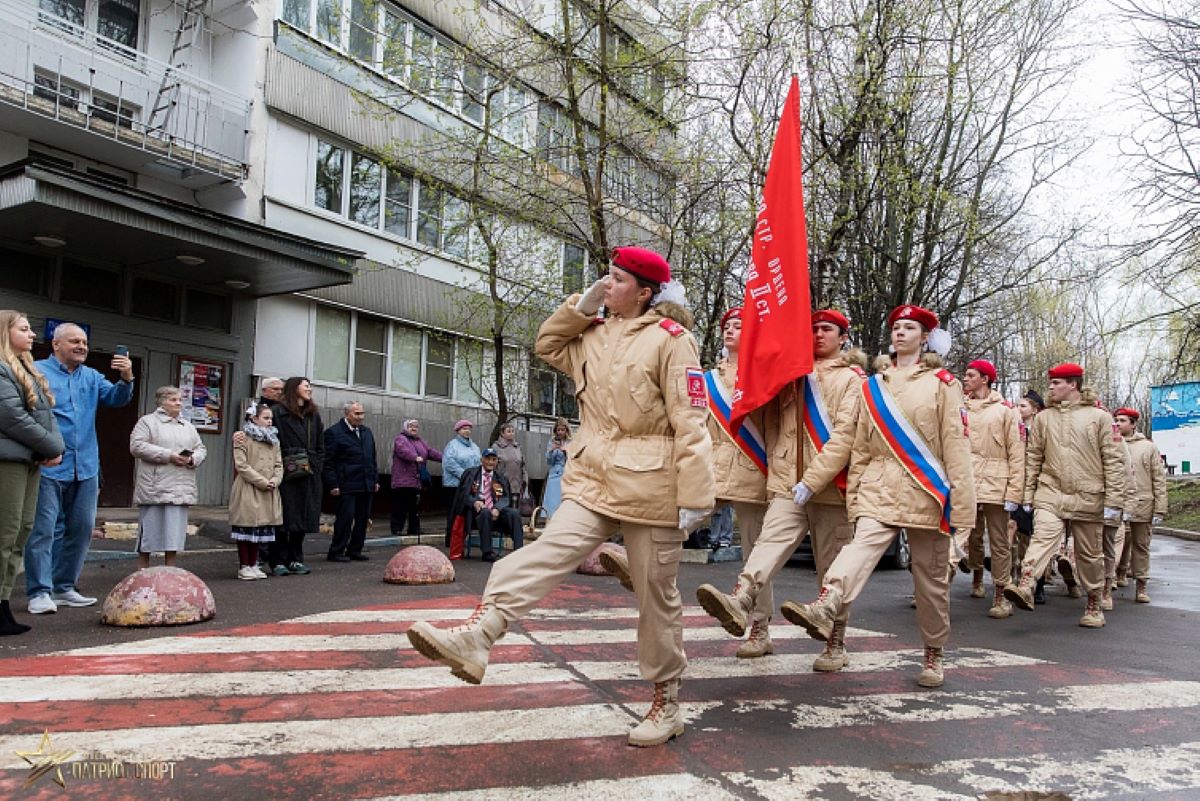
x: 776, y: 346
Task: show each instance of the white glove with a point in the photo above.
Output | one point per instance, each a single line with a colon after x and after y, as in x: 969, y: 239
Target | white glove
x: 590, y: 301
x: 1126, y: 516
x: 801, y: 494
x: 690, y: 519
x: 1028, y: 508
x: 1010, y: 506
x: 1111, y: 514
x: 1156, y: 520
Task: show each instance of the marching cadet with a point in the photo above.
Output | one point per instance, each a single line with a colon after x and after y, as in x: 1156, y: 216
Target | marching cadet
x: 813, y: 505
x: 740, y: 471
x: 910, y: 468
x: 998, y: 461
x: 1149, y: 505
x: 1073, y: 475
x: 1114, y: 531
x: 1021, y: 526
x: 640, y: 464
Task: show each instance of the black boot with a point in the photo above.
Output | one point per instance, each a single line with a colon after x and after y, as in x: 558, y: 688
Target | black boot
x: 1039, y: 592
x: 8, y: 624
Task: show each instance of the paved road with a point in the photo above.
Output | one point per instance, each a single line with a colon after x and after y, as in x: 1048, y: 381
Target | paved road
x: 305, y: 688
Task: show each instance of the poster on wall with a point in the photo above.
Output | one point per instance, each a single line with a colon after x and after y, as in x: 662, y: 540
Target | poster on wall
x: 202, y: 385
x: 1175, y: 423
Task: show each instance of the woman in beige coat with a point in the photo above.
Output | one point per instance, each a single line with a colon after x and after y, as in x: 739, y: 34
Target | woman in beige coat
x: 640, y: 465
x: 168, y: 451
x: 914, y: 409
x: 255, y: 510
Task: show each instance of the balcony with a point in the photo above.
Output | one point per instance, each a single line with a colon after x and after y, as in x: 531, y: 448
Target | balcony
x: 69, y: 87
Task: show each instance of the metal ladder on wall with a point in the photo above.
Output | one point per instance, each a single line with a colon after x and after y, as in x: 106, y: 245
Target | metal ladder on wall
x: 187, y: 37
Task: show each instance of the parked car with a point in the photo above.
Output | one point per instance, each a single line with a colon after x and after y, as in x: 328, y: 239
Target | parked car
x: 898, y: 556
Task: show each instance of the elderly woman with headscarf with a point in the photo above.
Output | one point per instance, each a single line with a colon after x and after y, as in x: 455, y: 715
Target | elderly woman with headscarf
x: 410, y: 455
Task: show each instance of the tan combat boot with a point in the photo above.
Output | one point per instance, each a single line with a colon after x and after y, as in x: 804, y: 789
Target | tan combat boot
x: 1106, y: 596
x: 618, y: 565
x: 1092, y: 618
x: 759, y: 643
x: 731, y: 611
x: 932, y: 674
x: 464, y: 648
x: 977, y: 584
x: 663, y: 721
x: 1001, y: 607
x: 1021, y: 593
x: 1140, y: 592
x: 1122, y: 578
x: 818, y: 617
x: 834, y: 657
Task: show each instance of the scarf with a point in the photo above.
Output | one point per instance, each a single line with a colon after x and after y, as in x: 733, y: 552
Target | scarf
x: 260, y: 434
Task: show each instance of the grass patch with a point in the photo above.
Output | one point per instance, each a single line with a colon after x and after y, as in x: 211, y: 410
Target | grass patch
x: 1183, y: 505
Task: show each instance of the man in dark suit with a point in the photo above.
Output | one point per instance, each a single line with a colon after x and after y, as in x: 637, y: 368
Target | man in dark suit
x: 352, y: 477
x: 485, y: 497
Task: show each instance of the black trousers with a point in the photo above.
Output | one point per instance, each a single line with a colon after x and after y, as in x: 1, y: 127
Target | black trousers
x: 288, y: 547
x: 509, y: 522
x: 350, y: 523
x: 406, y: 507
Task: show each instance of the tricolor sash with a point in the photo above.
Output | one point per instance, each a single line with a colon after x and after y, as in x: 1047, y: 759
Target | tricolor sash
x: 817, y: 424
x: 907, y: 445
x: 747, y: 438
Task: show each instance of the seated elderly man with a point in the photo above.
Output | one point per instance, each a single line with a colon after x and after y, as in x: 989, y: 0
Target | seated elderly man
x: 485, y: 497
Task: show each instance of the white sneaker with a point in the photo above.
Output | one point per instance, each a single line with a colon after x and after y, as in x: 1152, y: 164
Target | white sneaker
x: 42, y: 605
x: 259, y: 573
x: 247, y: 573
x: 72, y: 598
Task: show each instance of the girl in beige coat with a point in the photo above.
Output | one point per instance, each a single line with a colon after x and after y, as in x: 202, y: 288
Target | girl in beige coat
x: 884, y: 495
x: 255, y: 509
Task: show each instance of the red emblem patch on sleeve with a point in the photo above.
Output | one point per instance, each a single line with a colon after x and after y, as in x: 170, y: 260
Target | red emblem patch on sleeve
x: 673, y: 328
x: 946, y: 376
x: 966, y: 420
x: 696, y: 391
x: 858, y: 371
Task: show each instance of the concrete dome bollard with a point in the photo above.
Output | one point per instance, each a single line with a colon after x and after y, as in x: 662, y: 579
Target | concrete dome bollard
x: 159, y: 596
x: 591, y: 566
x: 419, y: 564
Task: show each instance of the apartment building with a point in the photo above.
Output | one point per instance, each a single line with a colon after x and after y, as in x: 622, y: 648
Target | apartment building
x: 224, y: 187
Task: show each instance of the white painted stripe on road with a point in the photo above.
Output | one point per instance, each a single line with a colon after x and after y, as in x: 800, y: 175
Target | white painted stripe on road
x: 929, y: 707
x: 238, y: 740
x: 839, y: 782
x: 790, y: 664
x: 263, y: 682
x: 1116, y: 773
x: 663, y: 787
x: 611, y: 613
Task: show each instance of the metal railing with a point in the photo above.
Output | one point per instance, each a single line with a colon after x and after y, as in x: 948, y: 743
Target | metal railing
x: 55, y: 68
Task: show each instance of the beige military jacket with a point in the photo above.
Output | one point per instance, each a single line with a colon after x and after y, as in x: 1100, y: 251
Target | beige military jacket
x: 642, y: 450
x: 997, y: 451
x: 840, y: 380
x: 737, y: 477
x: 880, y: 487
x: 1149, y: 495
x: 1074, y: 463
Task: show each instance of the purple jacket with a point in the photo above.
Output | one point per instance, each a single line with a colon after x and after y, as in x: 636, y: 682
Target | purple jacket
x: 405, y: 472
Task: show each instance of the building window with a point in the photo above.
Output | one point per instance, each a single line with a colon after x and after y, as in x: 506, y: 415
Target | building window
x: 25, y: 272
x: 51, y: 86
x: 363, y: 16
x: 397, y: 209
x: 117, y: 111
x: 154, y: 300
x: 207, y: 310
x: 330, y: 159
x: 421, y: 62
x: 574, y: 261
x: 471, y: 371
x: 395, y: 44
x: 475, y: 80
x: 406, y: 360
x: 429, y: 215
x: 551, y: 394
x: 329, y: 22
x: 96, y: 287
x: 296, y: 13
x: 439, y: 366
x: 456, y: 221
x: 118, y: 20
x: 366, y: 186
x: 332, y: 357
x: 370, y: 350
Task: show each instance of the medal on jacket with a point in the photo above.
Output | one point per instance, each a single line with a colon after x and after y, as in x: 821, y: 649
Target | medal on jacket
x: 966, y: 420
x: 497, y: 489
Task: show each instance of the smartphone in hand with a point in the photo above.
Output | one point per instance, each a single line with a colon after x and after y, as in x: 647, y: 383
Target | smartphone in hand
x: 185, y: 452
x: 122, y: 350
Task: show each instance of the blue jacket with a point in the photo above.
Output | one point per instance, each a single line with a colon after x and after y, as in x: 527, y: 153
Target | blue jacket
x: 349, y: 459
x: 76, y: 398
x: 458, y: 455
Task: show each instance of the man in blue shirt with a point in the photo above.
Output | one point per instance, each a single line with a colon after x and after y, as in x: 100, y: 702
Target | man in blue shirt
x: 67, y: 496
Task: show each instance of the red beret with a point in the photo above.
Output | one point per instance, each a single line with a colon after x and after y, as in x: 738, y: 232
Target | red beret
x: 985, y: 368
x: 643, y: 263
x: 910, y: 312
x: 831, y: 316
x: 736, y: 311
x: 1066, y: 370
x: 1132, y: 414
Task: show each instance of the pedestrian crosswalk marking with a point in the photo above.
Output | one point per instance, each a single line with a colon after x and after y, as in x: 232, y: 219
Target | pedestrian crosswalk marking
x: 663, y: 787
